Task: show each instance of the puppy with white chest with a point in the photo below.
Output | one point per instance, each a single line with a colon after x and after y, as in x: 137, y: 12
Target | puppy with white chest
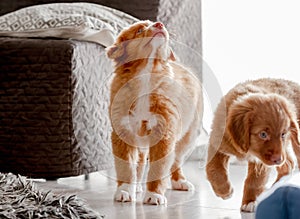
x: 155, y: 111
x: 255, y: 121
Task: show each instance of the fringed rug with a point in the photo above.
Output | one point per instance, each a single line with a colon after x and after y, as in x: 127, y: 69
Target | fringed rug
x: 19, y: 198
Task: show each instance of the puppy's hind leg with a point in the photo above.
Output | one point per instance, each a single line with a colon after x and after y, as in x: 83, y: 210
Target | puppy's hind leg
x: 183, y: 149
x: 142, y: 163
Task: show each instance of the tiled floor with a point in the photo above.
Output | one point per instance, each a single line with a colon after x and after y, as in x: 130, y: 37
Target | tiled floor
x: 98, y: 191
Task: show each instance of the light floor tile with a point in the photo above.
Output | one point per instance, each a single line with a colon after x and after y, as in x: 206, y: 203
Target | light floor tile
x: 99, y: 190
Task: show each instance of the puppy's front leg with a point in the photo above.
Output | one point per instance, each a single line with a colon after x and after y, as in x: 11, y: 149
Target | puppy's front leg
x: 126, y: 158
x: 217, y: 174
x: 254, y: 185
x: 161, y: 157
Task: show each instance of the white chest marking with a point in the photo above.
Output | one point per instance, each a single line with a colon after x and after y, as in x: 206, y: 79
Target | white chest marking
x: 141, y: 111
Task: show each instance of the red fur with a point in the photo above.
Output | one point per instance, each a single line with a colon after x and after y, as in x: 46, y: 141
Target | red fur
x: 255, y: 121
x: 159, y: 124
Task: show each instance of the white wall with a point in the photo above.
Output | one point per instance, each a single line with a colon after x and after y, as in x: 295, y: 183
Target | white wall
x: 248, y: 40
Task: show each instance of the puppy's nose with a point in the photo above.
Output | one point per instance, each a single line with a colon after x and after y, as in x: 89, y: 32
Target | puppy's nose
x: 276, y: 159
x: 158, y: 25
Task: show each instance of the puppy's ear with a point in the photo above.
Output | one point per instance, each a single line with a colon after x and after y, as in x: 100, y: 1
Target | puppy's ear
x: 111, y: 50
x: 295, y: 133
x: 239, y: 120
x: 294, y: 127
x: 115, y: 51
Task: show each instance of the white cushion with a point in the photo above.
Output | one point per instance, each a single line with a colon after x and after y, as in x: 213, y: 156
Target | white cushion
x: 82, y: 21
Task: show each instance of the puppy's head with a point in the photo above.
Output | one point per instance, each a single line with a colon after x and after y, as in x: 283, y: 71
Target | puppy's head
x: 263, y: 125
x: 142, y: 40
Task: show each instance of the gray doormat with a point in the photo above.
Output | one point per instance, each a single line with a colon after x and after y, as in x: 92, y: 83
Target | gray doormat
x: 19, y: 198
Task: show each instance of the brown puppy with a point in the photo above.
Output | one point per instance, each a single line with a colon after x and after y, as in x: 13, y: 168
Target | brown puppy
x: 156, y: 111
x: 255, y: 121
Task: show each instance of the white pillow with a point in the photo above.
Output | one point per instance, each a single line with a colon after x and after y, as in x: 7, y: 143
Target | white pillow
x: 82, y: 21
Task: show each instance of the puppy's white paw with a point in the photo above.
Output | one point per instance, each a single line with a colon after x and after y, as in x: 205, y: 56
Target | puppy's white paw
x: 248, y: 207
x: 153, y: 198
x: 126, y: 193
x: 182, y: 185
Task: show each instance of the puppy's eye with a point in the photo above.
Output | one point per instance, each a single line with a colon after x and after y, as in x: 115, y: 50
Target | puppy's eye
x: 139, y: 31
x: 263, y: 135
x: 283, y: 135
